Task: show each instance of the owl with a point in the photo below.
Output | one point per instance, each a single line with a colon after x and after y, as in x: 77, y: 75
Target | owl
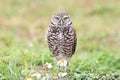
x: 61, y: 36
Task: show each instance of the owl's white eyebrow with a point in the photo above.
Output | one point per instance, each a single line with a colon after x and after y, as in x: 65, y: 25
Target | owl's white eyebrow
x: 57, y: 16
x: 65, y: 17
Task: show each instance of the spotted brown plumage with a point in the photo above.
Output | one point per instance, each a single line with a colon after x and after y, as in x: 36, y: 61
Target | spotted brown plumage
x: 61, y: 36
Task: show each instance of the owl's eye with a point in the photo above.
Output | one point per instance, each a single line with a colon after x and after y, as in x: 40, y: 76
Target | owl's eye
x: 65, y: 18
x: 57, y: 18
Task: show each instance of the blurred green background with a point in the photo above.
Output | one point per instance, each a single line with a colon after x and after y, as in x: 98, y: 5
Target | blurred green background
x: 23, y: 25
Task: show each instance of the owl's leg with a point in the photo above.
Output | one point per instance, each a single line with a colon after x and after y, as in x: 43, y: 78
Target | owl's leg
x: 58, y: 68
x: 65, y: 68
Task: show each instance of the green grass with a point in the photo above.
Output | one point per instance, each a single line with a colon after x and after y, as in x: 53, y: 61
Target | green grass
x: 23, y: 25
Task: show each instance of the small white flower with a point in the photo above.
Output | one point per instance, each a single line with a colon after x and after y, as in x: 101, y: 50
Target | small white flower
x: 62, y: 74
x: 62, y: 62
x: 23, y: 71
x: 49, y: 65
x: 33, y: 75
x: 43, y: 78
x: 29, y: 77
x: 37, y: 74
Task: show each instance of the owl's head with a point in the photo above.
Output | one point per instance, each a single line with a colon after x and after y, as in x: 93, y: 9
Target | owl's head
x: 61, y: 20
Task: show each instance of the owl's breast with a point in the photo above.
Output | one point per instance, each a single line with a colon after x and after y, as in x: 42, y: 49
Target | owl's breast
x: 61, y: 33
x: 60, y: 36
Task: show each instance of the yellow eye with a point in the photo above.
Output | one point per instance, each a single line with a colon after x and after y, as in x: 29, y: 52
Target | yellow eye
x: 65, y: 18
x: 57, y: 18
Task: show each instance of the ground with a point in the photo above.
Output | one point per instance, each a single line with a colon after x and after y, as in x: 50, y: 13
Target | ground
x: 23, y: 47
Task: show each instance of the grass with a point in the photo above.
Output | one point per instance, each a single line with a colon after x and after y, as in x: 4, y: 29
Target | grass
x: 23, y: 25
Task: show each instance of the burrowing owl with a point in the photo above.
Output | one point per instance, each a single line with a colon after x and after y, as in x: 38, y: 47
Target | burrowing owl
x: 61, y: 36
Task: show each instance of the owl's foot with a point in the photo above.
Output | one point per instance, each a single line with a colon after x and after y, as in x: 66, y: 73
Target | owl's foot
x: 62, y: 63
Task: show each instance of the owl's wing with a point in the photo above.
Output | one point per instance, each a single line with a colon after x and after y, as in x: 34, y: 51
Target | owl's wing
x: 52, y: 40
x: 74, y: 40
x: 71, y: 41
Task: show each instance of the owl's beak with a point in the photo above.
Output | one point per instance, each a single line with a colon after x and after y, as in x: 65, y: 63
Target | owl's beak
x: 61, y: 22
